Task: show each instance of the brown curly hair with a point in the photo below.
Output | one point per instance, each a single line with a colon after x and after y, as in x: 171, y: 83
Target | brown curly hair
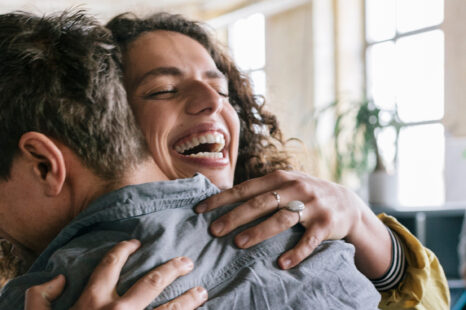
x: 261, y: 145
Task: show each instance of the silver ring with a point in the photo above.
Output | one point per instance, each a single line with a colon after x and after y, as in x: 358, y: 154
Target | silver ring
x: 277, y: 198
x: 296, y: 206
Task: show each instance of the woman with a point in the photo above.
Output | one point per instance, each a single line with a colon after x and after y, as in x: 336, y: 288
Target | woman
x: 168, y: 95
x: 199, y: 115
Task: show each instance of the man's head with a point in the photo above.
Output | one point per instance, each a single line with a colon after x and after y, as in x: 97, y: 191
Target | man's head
x: 66, y: 126
x: 58, y: 77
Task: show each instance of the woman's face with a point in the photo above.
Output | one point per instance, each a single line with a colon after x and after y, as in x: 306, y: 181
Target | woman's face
x: 180, y: 100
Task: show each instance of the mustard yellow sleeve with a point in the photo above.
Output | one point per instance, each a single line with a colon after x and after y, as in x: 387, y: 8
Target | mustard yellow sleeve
x: 424, y: 285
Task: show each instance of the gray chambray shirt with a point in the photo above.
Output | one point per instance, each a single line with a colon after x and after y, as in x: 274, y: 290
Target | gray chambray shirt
x: 161, y: 216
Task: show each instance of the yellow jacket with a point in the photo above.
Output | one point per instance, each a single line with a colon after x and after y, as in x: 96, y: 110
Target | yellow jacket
x: 424, y: 285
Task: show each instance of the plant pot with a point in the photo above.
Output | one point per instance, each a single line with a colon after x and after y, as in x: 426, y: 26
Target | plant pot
x: 383, y: 188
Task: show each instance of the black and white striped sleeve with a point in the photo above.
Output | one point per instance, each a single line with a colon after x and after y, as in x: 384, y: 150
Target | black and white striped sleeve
x: 397, y: 268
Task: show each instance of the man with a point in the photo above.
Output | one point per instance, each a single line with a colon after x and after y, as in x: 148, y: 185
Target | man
x: 71, y: 159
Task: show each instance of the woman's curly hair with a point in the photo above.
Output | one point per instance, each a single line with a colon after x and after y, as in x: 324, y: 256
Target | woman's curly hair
x: 261, y: 145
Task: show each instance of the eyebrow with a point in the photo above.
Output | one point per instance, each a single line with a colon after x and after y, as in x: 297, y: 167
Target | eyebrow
x: 174, y: 71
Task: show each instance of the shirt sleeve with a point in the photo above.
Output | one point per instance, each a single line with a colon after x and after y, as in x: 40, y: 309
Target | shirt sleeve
x: 395, y: 273
x: 424, y: 285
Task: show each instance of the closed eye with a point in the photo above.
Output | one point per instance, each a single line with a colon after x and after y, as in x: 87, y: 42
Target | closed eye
x: 162, y: 94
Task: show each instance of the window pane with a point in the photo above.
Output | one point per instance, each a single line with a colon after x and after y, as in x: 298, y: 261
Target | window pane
x: 416, y: 14
x: 420, y: 76
x: 386, y: 143
x: 258, y: 81
x: 381, y: 74
x: 420, y: 165
x: 380, y: 19
x: 247, y: 41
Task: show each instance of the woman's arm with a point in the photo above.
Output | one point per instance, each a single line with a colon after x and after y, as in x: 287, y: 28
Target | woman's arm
x: 424, y: 285
x: 332, y: 212
x: 100, y: 292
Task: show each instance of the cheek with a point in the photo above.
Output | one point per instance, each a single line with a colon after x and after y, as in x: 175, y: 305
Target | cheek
x: 156, y: 125
x: 233, y: 123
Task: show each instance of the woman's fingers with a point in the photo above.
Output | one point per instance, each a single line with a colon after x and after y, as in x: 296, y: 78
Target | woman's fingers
x: 191, y: 299
x: 306, y: 245
x: 100, y: 292
x: 105, y: 276
x: 152, y: 284
x: 40, y: 297
x: 245, y: 190
x: 247, y: 212
x: 260, y: 206
x: 331, y: 212
x: 280, y: 221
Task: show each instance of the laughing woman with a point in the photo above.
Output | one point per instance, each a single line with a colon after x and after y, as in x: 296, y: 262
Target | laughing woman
x: 198, y: 114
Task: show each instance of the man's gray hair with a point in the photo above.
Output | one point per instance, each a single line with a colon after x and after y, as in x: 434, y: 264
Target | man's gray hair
x: 58, y: 76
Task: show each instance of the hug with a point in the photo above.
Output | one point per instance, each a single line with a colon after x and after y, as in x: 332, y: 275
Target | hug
x: 141, y: 130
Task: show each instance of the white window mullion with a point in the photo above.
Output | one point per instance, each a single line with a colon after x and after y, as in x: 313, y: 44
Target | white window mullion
x: 405, y: 68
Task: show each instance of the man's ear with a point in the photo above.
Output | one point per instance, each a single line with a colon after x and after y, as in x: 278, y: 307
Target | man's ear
x: 47, y: 160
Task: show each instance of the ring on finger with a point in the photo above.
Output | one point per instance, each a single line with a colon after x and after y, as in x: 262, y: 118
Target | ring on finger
x: 295, y: 206
x: 277, y: 198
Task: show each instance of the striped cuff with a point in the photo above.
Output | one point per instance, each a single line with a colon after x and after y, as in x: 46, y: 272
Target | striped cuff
x: 397, y: 268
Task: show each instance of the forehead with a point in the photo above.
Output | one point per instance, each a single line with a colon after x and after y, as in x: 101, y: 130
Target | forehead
x: 166, y: 49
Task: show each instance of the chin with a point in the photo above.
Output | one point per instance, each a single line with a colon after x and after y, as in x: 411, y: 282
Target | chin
x: 221, y: 181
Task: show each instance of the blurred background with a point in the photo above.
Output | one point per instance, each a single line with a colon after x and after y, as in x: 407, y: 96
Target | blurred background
x: 375, y: 91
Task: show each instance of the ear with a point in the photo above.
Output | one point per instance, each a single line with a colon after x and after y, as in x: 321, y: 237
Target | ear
x: 47, y: 160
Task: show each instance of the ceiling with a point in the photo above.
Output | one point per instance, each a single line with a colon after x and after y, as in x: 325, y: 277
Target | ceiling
x: 105, y: 9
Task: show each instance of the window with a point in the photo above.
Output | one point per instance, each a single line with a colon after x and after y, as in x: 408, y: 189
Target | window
x: 405, y: 69
x: 247, y: 42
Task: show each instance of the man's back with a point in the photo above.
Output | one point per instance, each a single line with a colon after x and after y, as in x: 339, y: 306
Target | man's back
x: 160, y: 215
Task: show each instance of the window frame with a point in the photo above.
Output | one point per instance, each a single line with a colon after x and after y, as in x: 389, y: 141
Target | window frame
x: 394, y: 39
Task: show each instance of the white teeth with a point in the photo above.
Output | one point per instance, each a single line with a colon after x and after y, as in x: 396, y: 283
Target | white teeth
x: 207, y: 155
x: 212, y: 138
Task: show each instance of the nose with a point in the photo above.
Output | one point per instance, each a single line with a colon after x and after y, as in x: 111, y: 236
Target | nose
x: 203, y: 98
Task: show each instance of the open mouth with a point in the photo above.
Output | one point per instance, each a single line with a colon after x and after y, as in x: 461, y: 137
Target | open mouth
x: 203, y: 145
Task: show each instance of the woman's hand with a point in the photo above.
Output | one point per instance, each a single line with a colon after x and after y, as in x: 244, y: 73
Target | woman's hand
x: 331, y: 212
x: 100, y: 292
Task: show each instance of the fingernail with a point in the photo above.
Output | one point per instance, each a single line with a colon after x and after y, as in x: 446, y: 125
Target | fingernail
x: 187, y: 262
x: 242, y: 240
x: 217, y: 227
x: 202, y: 292
x: 201, y: 208
x: 135, y: 242
x: 286, y: 263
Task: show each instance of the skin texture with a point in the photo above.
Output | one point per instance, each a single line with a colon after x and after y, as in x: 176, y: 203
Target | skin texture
x: 176, y: 90
x: 100, y: 292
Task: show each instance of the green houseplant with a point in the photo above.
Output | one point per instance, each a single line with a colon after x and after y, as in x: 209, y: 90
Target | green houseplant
x: 354, y: 137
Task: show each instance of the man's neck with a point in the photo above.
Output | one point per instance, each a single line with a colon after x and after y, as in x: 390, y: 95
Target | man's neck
x: 144, y: 172
x: 82, y: 188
